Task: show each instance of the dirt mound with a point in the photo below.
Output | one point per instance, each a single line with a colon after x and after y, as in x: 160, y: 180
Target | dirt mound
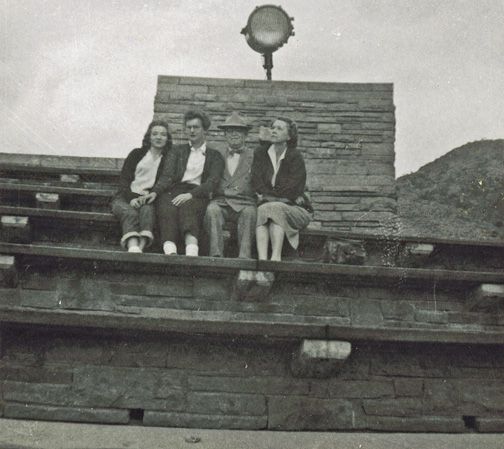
x: 460, y: 195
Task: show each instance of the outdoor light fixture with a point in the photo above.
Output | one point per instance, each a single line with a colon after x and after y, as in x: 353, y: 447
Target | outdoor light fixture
x: 268, y: 28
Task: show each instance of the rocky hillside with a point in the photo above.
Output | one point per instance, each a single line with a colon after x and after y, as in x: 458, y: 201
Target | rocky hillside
x: 460, y: 195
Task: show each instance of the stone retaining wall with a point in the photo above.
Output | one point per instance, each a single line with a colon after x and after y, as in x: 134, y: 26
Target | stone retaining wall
x: 191, y: 381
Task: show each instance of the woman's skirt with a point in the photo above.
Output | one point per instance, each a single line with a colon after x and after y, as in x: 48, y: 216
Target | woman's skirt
x: 290, y: 217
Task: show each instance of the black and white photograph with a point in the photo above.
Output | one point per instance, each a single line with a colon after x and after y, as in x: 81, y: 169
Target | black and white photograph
x: 227, y: 224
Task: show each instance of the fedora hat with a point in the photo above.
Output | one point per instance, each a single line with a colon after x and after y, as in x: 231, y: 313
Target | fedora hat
x: 235, y: 120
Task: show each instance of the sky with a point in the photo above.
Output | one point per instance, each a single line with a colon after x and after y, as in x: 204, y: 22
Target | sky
x: 78, y: 77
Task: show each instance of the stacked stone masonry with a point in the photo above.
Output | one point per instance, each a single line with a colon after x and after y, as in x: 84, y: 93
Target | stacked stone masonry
x: 172, y: 380
x: 346, y: 136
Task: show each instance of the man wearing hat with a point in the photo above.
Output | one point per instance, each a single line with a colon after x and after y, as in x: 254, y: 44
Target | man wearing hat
x: 234, y: 200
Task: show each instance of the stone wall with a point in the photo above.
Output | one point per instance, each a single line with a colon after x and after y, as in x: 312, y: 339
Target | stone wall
x: 209, y: 382
x: 346, y: 136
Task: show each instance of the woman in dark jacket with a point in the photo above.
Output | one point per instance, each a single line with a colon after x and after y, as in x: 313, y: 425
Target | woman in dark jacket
x: 141, y: 169
x: 278, y: 178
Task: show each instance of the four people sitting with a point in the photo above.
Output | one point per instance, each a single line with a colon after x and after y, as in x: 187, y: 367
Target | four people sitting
x: 193, y: 185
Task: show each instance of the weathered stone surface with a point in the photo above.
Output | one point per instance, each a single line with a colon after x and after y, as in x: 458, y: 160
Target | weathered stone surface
x: 441, y: 424
x: 33, y: 374
x: 431, y: 316
x: 47, y: 200
x: 38, y: 393
x: 76, y: 414
x: 359, y: 389
x: 467, y: 398
x: 486, y: 297
x: 70, y: 178
x: 397, y: 310
x: 15, y: 229
x: 8, y: 272
x: 344, y: 251
x: 415, y: 254
x: 217, y: 289
x: 393, y: 407
x: 85, y: 294
x: 409, y: 387
x: 253, y: 285
x: 210, y: 421
x: 252, y: 384
x: 490, y: 424
x: 129, y: 387
x: 366, y: 312
x: 320, y: 358
x: 329, y: 128
x: 39, y: 281
x: 301, y: 413
x: 39, y: 298
x: 226, y: 403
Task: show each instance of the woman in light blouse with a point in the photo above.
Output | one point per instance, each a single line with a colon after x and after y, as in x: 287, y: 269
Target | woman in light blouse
x: 141, y: 169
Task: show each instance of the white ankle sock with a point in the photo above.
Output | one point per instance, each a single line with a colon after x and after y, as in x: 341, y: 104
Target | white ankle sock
x: 169, y: 247
x: 191, y: 249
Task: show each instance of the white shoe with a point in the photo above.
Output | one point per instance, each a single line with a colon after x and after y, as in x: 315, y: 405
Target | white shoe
x: 134, y: 249
x: 169, y: 248
x: 191, y: 250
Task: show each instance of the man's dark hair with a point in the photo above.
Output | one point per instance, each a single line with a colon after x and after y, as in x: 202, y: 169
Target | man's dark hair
x: 195, y: 113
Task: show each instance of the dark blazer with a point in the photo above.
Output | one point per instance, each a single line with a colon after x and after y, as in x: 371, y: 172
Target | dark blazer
x: 128, y: 172
x: 175, y: 167
x: 291, y: 177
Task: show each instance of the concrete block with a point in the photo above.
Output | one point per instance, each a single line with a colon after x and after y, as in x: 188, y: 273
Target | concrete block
x: 420, y: 249
x: 47, y: 200
x: 358, y: 389
x: 393, y: 407
x: 415, y: 254
x: 440, y: 424
x: 204, y: 421
x: 253, y: 285
x: 329, y: 128
x: 409, y: 387
x: 34, y: 374
x: 485, y: 297
x: 226, y: 403
x: 70, y: 178
x: 344, y: 251
x: 304, y: 413
x: 320, y: 358
x: 15, y: 229
x: 73, y: 414
x: 431, y: 316
x: 490, y: 424
x: 8, y: 272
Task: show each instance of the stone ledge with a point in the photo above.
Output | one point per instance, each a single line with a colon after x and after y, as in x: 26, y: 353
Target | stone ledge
x: 76, y: 414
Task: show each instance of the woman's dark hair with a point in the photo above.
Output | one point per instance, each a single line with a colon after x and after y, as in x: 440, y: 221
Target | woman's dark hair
x: 195, y: 113
x: 292, y: 130
x: 146, y: 142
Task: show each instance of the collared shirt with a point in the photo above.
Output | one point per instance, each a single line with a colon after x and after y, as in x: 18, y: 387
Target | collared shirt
x: 232, y: 160
x: 145, y: 174
x: 276, y: 165
x: 195, y: 164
